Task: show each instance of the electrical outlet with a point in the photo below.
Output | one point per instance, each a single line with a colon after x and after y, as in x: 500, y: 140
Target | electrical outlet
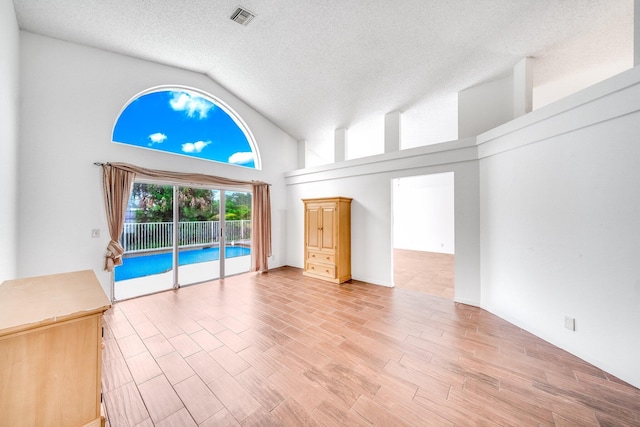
x: 570, y: 323
x: 95, y: 233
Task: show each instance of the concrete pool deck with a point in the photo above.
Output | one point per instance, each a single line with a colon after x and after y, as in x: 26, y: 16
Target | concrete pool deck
x: 187, y: 274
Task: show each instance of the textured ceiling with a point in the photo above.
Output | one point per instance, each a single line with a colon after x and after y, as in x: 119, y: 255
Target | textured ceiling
x: 312, y: 66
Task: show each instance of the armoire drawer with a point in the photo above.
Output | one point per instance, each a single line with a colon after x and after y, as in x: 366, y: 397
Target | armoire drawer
x: 325, y: 270
x: 321, y: 257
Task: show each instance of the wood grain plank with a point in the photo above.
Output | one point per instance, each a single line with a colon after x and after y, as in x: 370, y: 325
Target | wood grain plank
x: 222, y: 418
x: 261, y: 418
x: 234, y: 397
x: 229, y: 360
x: 201, y: 403
x: 377, y: 415
x: 143, y: 367
x: 258, y: 386
x: 184, y: 345
x: 175, y: 368
x: 115, y: 374
x: 291, y: 413
x: 205, y: 366
x: 232, y: 340
x: 160, y: 398
x: 261, y: 362
x: 158, y: 345
x: 289, y: 383
x: 131, y: 345
x: 178, y: 419
x: 206, y: 340
x: 125, y: 406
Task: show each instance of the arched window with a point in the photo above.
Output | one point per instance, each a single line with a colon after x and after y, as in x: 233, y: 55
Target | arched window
x: 186, y: 122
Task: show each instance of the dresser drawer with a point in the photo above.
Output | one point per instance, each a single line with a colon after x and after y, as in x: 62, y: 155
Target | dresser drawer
x: 321, y: 257
x: 324, y: 270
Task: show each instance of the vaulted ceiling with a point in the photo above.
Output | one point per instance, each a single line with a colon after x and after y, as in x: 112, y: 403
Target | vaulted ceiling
x: 312, y: 66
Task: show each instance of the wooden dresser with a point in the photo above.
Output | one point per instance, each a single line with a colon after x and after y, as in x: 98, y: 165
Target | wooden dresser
x: 327, y: 238
x: 51, y: 350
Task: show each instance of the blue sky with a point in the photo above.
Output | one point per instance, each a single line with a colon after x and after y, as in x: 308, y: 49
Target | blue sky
x: 184, y: 123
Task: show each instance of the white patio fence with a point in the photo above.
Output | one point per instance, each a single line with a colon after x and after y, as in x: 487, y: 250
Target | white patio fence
x: 152, y: 236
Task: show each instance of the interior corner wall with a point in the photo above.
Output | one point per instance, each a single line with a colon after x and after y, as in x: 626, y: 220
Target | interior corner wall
x: 9, y: 124
x: 485, y: 106
x: 560, y: 220
x: 319, y: 152
x: 71, y: 97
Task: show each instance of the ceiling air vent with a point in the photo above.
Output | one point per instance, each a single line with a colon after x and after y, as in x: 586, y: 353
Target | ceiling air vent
x: 242, y: 16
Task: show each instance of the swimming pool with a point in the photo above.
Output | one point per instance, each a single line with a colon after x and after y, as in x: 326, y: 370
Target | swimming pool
x: 146, y: 265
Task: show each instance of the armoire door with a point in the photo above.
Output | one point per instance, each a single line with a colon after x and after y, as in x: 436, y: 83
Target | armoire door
x: 327, y: 227
x: 314, y: 225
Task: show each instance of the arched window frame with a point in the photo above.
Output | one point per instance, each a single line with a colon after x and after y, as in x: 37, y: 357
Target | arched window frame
x: 237, y: 119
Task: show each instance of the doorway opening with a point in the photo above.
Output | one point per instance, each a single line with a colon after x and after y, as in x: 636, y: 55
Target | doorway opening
x: 176, y: 236
x: 424, y: 233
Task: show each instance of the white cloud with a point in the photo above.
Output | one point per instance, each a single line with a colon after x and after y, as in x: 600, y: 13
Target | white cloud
x: 157, y: 138
x: 190, y: 104
x: 194, y: 147
x: 241, y: 158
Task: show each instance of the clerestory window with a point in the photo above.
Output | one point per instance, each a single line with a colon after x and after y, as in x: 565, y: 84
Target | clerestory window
x: 186, y: 122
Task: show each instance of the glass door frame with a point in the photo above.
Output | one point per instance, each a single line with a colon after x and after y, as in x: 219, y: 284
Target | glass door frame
x: 176, y: 229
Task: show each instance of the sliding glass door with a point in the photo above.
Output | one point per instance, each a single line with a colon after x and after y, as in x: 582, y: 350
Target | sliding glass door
x: 237, y: 248
x: 177, y: 235
x: 147, y: 239
x: 199, y: 235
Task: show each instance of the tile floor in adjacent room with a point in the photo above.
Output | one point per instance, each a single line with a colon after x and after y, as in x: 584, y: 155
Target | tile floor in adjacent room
x: 428, y: 272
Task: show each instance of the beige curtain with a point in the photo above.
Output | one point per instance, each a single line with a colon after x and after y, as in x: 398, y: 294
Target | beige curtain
x: 182, y: 177
x: 116, y: 185
x: 261, y: 224
x: 260, y: 216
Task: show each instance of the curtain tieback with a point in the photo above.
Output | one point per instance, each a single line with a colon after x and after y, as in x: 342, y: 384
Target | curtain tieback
x: 114, y: 255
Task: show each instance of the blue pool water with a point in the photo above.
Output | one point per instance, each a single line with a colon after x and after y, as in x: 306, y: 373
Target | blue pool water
x: 147, y: 265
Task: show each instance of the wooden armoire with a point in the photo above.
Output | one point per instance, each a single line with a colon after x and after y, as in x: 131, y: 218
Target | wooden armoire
x: 327, y: 238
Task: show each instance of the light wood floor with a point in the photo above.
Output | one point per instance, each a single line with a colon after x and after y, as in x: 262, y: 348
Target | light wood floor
x: 283, y: 349
x: 428, y: 272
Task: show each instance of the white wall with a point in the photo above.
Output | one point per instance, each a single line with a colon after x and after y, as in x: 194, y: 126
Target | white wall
x: 423, y: 213
x: 544, y: 94
x: 433, y: 121
x: 9, y: 123
x: 560, y: 223
x: 71, y: 96
x: 485, y: 106
x: 636, y: 32
x: 368, y: 182
x: 366, y: 138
